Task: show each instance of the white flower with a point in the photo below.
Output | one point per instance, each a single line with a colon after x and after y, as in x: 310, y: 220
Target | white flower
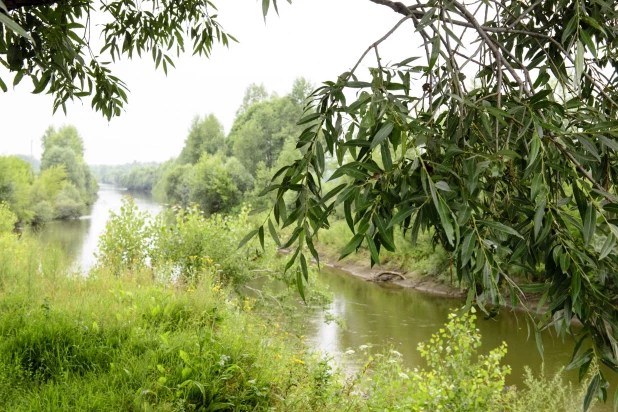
x: 403, y: 375
x: 350, y: 352
x: 396, y: 353
x: 363, y: 347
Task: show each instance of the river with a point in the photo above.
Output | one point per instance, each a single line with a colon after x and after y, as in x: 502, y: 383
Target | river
x: 373, y: 313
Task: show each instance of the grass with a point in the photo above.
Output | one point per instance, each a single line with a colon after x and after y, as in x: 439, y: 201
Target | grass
x: 107, y: 343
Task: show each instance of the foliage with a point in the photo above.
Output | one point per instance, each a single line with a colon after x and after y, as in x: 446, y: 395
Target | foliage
x: 510, y: 163
x: 7, y: 219
x: 545, y: 394
x: 49, y: 41
x: 205, y: 136
x: 258, y: 134
x: 124, y: 243
x: 68, y: 203
x: 215, y: 185
x: 15, y: 179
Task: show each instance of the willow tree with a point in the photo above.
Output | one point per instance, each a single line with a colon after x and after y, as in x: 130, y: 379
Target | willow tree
x: 498, y: 136
x: 50, y: 42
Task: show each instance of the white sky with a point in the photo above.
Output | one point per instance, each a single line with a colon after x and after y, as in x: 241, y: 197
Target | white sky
x: 316, y: 39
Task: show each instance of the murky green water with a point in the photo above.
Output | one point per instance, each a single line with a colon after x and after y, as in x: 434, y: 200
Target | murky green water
x: 373, y: 313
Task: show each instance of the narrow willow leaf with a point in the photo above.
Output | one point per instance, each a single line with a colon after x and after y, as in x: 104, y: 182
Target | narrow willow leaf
x: 310, y: 117
x: 590, y: 223
x: 2, y: 84
x: 579, y: 64
x: 303, y: 266
x: 273, y: 232
x: 351, y: 246
x: 583, y: 358
x: 467, y: 248
x: 347, y: 208
x: 265, y: 6
x: 538, y: 218
x: 608, y: 246
x: 375, y: 255
x: 591, y: 391
x: 435, y: 52
x: 535, y: 146
x: 401, y: 216
x: 299, y: 285
x: 261, y: 236
x: 442, y: 185
x: 447, y: 224
x: 576, y: 285
x: 247, y: 238
x: 11, y: 25
x: 382, y: 134
x: 616, y: 400
x: 386, y: 157
x: 501, y: 227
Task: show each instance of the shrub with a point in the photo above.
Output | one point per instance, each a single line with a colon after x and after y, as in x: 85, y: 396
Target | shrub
x: 124, y: 243
x: 7, y: 218
x: 43, y: 213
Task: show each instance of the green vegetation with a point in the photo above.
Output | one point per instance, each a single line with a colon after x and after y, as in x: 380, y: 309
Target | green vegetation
x: 172, y: 333
x: 60, y: 190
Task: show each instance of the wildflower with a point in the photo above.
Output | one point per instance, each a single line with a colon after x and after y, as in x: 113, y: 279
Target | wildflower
x: 403, y: 375
x: 278, y: 356
x: 350, y: 352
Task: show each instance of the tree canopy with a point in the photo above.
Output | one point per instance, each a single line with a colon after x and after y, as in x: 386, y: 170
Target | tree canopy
x: 497, y: 135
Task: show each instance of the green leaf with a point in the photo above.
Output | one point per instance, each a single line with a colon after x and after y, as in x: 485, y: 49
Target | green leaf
x: 2, y: 85
x: 382, y: 134
x: 309, y: 118
x: 351, y: 246
x: 247, y: 238
x: 590, y: 223
x: 261, y: 236
x: 587, y: 40
x: 303, y: 266
x: 579, y: 64
x: 467, y: 248
x: 387, y: 161
x: 401, y: 216
x: 273, y: 232
x: 299, y: 285
x: 583, y: 358
x: 445, y: 218
x: 591, y: 391
x: 535, y: 146
x: 616, y: 400
x: 608, y: 246
x: 11, y: 25
x: 265, y: 6
x: 501, y: 227
x: 539, y: 340
x: 538, y: 218
x: 435, y: 51
x: 372, y: 249
x: 442, y: 185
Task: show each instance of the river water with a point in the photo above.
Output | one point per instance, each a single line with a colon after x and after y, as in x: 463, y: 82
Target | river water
x: 373, y: 313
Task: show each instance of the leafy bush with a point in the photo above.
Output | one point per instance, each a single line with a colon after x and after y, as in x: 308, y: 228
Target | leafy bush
x: 124, y: 243
x: 43, y: 213
x: 68, y: 203
x: 7, y: 218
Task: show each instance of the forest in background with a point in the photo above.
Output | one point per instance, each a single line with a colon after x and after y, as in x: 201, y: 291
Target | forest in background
x: 60, y: 186
x: 217, y: 171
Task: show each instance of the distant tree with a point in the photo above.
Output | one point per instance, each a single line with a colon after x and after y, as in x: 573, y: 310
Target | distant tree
x: 261, y: 131
x: 15, y: 180
x: 253, y: 94
x: 213, y: 187
x: 176, y: 184
x: 205, y: 136
x: 65, y: 137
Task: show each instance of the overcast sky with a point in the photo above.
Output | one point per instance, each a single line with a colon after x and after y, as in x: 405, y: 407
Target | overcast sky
x: 315, y: 39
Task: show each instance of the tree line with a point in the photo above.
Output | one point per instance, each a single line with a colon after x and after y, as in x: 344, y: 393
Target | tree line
x: 218, y: 171
x: 61, y: 189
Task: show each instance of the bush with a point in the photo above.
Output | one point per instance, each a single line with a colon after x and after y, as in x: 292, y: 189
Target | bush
x: 124, y: 243
x: 43, y: 213
x: 7, y: 219
x: 68, y: 203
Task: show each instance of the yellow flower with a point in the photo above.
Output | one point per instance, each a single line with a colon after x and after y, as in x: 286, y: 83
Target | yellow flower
x: 278, y: 356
